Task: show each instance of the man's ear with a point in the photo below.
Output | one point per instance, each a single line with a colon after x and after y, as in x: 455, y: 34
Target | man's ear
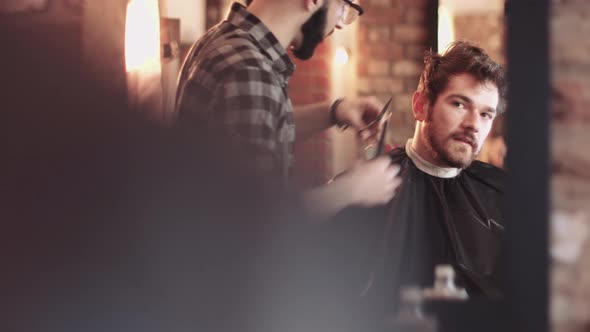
x: 313, y: 5
x: 420, y: 106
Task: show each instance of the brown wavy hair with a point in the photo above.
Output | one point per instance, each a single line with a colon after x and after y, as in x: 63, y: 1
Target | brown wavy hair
x: 461, y: 57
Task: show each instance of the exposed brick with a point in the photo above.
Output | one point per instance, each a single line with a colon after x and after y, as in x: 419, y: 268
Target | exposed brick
x: 397, y: 117
x: 571, y: 97
x: 489, y: 34
x: 378, y: 67
x: 415, y: 16
x: 379, y: 3
x: 570, y: 3
x: 311, y: 66
x: 394, y: 85
x: 385, y: 85
x: 383, y: 51
x: 364, y: 86
x: 410, y: 33
x: 406, y: 42
x: 363, y: 34
x: 379, y: 34
x: 384, y: 16
x: 403, y: 101
x: 382, y: 96
x: 301, y: 98
x: 415, y: 51
x: 311, y: 84
x: 570, y: 156
x: 413, y: 3
x: 568, y: 25
x: 411, y: 83
x: 401, y: 125
x: 406, y: 68
x: 569, y: 152
x: 362, y: 67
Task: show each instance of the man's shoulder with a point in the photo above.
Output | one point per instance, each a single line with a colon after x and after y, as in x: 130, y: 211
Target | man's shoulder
x: 488, y: 174
x: 229, y: 48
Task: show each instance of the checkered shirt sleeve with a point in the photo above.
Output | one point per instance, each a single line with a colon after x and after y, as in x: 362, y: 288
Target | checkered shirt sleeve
x: 251, y: 110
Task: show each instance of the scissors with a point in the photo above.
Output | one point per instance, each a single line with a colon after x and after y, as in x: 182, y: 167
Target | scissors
x: 381, y: 144
x: 379, y: 116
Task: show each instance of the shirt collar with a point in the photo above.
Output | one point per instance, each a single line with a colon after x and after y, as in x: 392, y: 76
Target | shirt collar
x: 429, y: 168
x: 266, y: 40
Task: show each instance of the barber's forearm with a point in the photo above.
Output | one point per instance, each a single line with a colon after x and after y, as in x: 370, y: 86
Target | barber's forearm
x: 311, y: 119
x: 324, y: 202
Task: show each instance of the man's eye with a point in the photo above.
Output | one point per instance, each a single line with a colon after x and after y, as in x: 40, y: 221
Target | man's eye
x: 458, y: 104
x: 487, y: 115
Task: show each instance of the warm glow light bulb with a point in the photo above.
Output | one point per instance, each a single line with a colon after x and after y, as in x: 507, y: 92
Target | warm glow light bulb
x: 341, y: 56
x: 142, y: 35
x: 446, y: 31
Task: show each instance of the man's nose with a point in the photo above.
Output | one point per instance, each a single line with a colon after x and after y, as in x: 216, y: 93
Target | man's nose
x: 472, y: 120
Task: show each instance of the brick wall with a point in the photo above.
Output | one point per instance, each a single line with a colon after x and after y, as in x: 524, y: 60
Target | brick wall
x: 486, y: 29
x: 311, y: 84
x: 393, y: 37
x: 570, y: 165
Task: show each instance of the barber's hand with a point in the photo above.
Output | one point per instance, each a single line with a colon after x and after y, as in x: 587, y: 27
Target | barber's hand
x: 372, y: 183
x: 358, y: 113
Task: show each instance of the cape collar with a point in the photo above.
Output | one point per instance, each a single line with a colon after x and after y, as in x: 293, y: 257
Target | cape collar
x: 429, y: 168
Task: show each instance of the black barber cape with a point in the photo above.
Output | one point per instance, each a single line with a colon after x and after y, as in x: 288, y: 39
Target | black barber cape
x: 431, y: 220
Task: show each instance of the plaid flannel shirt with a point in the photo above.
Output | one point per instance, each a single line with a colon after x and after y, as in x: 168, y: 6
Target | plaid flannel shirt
x: 234, y: 80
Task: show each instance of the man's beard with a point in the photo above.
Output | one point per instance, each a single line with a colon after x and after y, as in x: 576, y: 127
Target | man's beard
x: 438, y: 151
x: 313, y: 34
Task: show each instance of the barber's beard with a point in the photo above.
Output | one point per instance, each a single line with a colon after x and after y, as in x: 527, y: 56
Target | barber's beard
x: 313, y: 34
x: 446, y: 151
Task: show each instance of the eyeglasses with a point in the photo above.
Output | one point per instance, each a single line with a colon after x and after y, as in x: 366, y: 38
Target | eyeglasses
x: 351, y: 11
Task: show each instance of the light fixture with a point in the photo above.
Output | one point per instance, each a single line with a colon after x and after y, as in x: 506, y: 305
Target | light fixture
x: 142, y: 36
x: 341, y: 56
x: 446, y: 31
x: 142, y: 56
